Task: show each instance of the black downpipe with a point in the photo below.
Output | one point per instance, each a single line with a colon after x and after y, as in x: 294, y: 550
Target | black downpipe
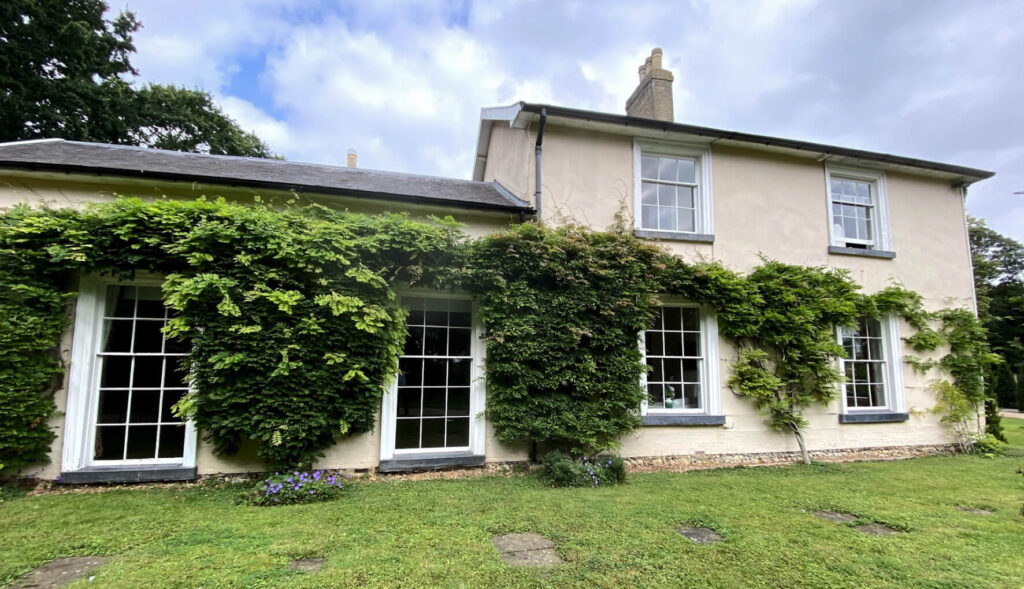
x: 537, y: 155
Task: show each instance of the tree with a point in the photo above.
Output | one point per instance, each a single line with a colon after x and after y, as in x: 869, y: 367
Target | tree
x: 999, y: 284
x: 65, y: 71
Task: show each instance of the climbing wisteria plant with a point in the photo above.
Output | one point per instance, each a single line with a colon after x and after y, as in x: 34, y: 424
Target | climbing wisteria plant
x: 294, y: 326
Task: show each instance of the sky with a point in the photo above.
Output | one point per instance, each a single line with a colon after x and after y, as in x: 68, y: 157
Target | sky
x: 402, y: 83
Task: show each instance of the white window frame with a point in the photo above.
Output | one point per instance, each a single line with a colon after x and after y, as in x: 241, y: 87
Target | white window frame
x: 701, y: 154
x: 710, y: 393
x: 879, y: 203
x: 477, y: 394
x: 895, y: 397
x: 83, y: 383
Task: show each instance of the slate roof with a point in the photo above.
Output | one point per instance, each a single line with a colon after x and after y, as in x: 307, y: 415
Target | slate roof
x: 142, y: 162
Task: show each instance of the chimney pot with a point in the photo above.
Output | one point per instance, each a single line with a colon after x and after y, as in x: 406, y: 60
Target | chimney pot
x: 352, y: 158
x: 656, y: 58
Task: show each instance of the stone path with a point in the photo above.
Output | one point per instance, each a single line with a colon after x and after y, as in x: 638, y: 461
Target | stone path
x: 527, y: 549
x: 60, y: 571
x: 308, y: 565
x: 835, y: 516
x: 1011, y: 413
x: 876, y: 530
x: 974, y: 510
x: 700, y: 535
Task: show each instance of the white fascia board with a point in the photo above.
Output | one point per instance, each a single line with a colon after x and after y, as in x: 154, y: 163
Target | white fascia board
x: 487, y: 116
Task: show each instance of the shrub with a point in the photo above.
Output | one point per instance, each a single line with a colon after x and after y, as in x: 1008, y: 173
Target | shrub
x: 297, y: 487
x: 562, y: 470
x: 988, y: 446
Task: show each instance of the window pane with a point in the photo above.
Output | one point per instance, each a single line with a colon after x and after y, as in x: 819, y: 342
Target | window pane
x: 667, y: 169
x: 655, y: 396
x: 435, y: 341
x: 691, y: 396
x: 414, y: 341
x: 684, y: 196
x: 458, y: 401
x: 687, y: 171
x: 407, y: 433
x: 673, y: 343
x: 141, y: 442
x: 176, y: 346
x: 113, y: 407
x: 649, y: 217
x: 667, y: 219
x: 673, y: 318
x: 691, y: 344
x: 877, y: 395
x: 837, y: 187
x: 655, y: 374
x: 120, y: 301
x: 458, y: 342
x: 435, y: 373
x: 667, y: 195
x: 433, y: 401
x: 437, y: 311
x: 116, y: 371
x: 652, y: 340
x: 148, y: 337
x: 433, y: 433
x: 150, y: 302
x: 410, y: 372
x: 460, y: 313
x: 459, y: 372
x: 691, y: 318
x: 172, y: 441
x: 409, y: 402
x: 166, y: 412
x: 458, y: 433
x: 148, y: 372
x: 691, y: 370
x: 649, y: 167
x: 685, y: 220
x: 109, y: 442
x: 117, y: 336
x: 145, y: 407
x: 648, y: 193
x: 673, y: 391
x: 673, y: 371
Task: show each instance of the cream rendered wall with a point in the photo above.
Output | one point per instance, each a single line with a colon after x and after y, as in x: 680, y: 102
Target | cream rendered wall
x: 776, y: 205
x: 59, y: 190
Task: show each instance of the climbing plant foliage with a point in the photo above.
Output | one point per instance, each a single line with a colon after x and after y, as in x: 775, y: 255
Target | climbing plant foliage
x: 294, y: 325
x: 291, y: 316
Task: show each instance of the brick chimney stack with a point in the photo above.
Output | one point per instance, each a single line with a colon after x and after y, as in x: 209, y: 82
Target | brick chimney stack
x: 352, y: 158
x: 652, y: 98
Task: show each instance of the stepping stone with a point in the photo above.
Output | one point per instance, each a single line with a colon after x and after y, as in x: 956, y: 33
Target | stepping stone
x: 975, y: 510
x: 835, y: 516
x: 307, y: 565
x: 700, y: 535
x: 876, y: 530
x: 59, y: 572
x: 527, y: 549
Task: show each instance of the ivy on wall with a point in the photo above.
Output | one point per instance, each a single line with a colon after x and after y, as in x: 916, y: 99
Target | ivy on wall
x: 295, y: 329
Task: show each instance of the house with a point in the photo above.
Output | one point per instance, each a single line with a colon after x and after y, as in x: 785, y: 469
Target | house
x: 701, y: 193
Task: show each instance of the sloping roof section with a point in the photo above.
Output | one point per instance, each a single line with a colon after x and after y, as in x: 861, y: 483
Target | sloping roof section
x: 142, y: 162
x: 521, y: 114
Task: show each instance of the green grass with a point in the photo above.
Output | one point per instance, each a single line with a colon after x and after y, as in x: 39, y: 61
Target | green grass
x: 438, y: 533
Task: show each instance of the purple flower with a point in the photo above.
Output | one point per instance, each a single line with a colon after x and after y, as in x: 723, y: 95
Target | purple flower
x: 311, y: 492
x: 316, y: 475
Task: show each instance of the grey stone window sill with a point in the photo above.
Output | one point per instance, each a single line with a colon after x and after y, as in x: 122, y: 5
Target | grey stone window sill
x: 430, y: 462
x: 684, y: 420
x: 674, y: 236
x: 856, y: 251
x: 881, y: 417
x: 122, y: 474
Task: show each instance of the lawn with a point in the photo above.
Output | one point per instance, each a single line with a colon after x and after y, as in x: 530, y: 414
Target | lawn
x: 438, y: 533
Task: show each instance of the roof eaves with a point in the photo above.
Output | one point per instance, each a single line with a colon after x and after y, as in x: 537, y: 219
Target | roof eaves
x: 559, y: 111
